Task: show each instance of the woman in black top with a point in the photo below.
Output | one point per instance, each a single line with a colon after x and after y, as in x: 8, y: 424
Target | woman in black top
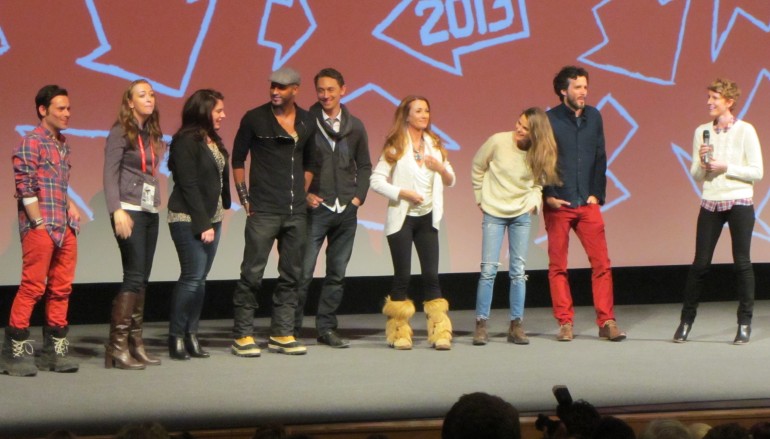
x: 198, y: 162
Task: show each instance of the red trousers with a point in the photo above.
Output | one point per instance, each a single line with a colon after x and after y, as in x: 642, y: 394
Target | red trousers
x: 588, y: 224
x: 46, y: 270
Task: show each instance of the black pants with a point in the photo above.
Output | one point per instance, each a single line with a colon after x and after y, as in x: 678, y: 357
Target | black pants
x: 740, y: 220
x: 420, y: 231
x: 138, y: 250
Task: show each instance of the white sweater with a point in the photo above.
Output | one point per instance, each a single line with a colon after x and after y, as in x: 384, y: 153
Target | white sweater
x: 740, y: 148
x: 502, y: 181
x: 388, y: 180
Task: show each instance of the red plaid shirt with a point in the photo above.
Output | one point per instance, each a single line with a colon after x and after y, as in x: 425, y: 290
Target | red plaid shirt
x: 41, y: 168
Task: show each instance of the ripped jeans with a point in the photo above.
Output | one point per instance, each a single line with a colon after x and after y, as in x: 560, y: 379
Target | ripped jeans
x: 493, y: 230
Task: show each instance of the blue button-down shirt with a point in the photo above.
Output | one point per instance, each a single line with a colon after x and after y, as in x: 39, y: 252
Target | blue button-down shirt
x: 582, y: 161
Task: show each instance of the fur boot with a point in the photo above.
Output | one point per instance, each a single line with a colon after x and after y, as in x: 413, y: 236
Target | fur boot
x: 439, y: 325
x: 397, y: 329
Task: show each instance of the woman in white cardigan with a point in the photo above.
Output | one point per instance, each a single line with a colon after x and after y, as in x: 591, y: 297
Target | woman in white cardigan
x: 411, y: 174
x: 727, y: 159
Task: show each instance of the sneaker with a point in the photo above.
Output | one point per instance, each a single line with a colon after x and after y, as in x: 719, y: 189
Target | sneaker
x: 565, y: 332
x: 331, y: 338
x: 611, y: 332
x: 286, y: 345
x: 245, y: 347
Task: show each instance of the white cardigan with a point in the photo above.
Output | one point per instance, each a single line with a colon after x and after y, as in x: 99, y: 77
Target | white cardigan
x: 388, y: 180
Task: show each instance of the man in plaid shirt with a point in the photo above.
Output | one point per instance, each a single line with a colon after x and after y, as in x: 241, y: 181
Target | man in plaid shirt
x: 48, y: 224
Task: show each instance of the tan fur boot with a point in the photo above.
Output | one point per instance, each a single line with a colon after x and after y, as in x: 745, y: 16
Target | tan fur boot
x: 439, y: 325
x: 397, y: 329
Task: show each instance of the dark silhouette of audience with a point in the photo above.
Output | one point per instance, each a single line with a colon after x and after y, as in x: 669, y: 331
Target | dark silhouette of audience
x: 728, y: 431
x: 481, y: 416
x: 610, y: 427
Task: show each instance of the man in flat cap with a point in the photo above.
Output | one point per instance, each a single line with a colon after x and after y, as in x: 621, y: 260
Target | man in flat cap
x: 279, y: 136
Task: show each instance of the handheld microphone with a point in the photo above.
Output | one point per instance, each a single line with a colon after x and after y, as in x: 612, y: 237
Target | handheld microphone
x: 706, y: 141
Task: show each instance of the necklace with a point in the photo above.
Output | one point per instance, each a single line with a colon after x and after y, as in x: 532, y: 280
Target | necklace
x: 418, y: 152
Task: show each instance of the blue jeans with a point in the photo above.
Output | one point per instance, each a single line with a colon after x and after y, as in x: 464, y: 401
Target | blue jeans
x: 339, y: 230
x: 262, y: 230
x: 493, y: 229
x: 195, y: 259
x: 138, y: 250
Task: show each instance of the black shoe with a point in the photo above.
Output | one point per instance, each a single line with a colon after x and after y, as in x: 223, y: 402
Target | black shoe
x: 194, y: 347
x: 331, y: 338
x: 743, y: 335
x: 176, y: 349
x: 680, y: 336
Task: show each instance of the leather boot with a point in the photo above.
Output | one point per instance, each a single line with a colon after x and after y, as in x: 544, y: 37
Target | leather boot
x: 439, y: 325
x: 194, y: 347
x: 398, y: 333
x: 17, y: 357
x: 117, y: 353
x: 55, y: 355
x: 682, y: 331
x: 135, y: 341
x: 516, y: 334
x: 480, y: 336
x: 743, y: 335
x: 176, y: 349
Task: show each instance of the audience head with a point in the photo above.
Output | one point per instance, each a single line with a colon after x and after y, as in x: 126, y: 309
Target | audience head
x: 610, y: 427
x: 760, y: 430
x: 665, y: 429
x: 580, y: 418
x: 699, y: 429
x: 481, y: 416
x: 728, y: 431
x: 148, y: 430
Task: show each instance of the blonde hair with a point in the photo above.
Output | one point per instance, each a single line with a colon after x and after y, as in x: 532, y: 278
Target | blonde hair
x: 727, y: 89
x: 395, y: 141
x: 542, y: 154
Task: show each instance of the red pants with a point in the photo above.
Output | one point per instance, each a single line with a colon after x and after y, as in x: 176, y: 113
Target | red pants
x: 589, y: 227
x: 47, y: 270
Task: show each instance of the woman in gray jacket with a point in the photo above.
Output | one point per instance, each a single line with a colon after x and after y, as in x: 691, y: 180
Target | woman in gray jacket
x: 131, y: 156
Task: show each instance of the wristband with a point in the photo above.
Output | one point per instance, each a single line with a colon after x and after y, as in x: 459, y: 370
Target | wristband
x: 36, y: 223
x: 243, y: 193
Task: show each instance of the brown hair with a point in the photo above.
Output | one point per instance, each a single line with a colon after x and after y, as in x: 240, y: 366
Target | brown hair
x: 127, y: 120
x: 542, y: 154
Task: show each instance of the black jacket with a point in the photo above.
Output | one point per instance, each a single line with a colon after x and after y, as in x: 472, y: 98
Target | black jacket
x: 277, y: 170
x: 196, y: 181
x: 343, y: 172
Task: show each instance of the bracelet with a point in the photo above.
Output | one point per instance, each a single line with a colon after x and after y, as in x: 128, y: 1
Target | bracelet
x: 36, y: 222
x: 243, y: 192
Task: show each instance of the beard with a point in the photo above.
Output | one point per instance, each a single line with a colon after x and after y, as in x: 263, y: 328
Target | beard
x: 572, y: 103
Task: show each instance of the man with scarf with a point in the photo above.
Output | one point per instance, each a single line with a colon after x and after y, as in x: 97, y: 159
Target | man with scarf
x: 336, y: 183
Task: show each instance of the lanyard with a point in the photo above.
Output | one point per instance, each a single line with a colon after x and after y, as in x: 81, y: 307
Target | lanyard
x: 144, y: 157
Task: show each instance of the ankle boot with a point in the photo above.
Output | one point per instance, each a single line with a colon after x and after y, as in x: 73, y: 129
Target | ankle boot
x: 117, y: 353
x: 743, y: 335
x: 682, y: 331
x: 439, y: 325
x: 135, y: 340
x: 176, y: 349
x: 17, y: 357
x: 55, y: 356
x: 398, y: 333
x: 194, y: 347
x: 481, y: 336
x: 516, y: 334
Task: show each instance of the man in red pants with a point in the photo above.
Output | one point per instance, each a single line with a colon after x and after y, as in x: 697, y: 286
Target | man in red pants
x: 48, y: 224
x: 582, y: 163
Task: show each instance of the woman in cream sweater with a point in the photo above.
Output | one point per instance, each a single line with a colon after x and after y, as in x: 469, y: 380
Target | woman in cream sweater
x: 509, y: 171
x: 411, y: 174
x: 727, y: 158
